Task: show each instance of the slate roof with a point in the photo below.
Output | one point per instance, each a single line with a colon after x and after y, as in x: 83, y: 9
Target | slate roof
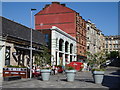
x: 16, y: 30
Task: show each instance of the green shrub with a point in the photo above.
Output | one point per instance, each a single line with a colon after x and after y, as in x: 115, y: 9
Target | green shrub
x: 70, y: 68
x: 98, y: 69
x: 96, y: 60
x: 16, y: 66
x: 59, y: 66
x: 46, y: 67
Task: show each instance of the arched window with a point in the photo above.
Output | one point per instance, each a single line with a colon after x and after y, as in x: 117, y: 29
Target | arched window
x: 61, y: 45
x: 66, y: 46
x: 71, y: 48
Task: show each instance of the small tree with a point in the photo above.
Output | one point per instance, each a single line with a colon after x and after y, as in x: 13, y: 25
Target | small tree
x: 113, y: 55
x: 97, y: 59
x: 43, y: 58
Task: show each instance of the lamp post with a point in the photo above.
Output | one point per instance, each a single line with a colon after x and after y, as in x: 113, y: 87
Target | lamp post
x: 31, y: 46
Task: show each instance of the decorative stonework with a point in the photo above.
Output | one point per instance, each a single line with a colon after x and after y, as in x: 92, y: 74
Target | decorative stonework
x: 58, y: 40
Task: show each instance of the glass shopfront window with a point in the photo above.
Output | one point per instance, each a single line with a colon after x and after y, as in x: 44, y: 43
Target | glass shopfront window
x: 7, y: 55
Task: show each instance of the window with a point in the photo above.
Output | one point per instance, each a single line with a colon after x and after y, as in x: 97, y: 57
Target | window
x: 7, y: 55
x: 110, y: 46
x: 107, y: 41
x: 116, y: 41
x: 110, y: 41
x: 71, y: 48
x: 88, y: 28
x: 80, y: 47
x: 66, y: 46
x: 106, y: 45
x: 115, y: 46
x: 88, y: 38
x: 88, y: 47
x: 46, y: 38
x: 61, y: 44
x: 70, y: 58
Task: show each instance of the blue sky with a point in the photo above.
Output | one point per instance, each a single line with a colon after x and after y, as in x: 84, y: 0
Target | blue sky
x: 103, y: 14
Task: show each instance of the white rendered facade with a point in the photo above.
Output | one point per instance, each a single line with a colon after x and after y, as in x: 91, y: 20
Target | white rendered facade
x: 95, y: 38
x: 112, y: 43
x: 63, y: 47
x: 2, y: 56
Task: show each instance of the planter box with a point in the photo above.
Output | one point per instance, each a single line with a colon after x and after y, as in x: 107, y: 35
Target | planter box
x: 98, y: 76
x: 45, y: 73
x: 12, y: 71
x: 70, y: 75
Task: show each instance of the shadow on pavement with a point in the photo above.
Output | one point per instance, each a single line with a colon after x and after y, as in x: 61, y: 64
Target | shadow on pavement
x: 85, y: 80
x: 39, y: 78
x: 111, y: 81
x: 63, y: 79
x: 81, y: 80
x: 116, y: 73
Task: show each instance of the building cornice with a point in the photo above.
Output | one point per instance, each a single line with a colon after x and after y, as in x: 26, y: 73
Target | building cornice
x: 62, y: 32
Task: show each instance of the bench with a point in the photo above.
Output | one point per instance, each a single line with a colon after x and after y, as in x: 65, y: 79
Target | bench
x: 10, y: 78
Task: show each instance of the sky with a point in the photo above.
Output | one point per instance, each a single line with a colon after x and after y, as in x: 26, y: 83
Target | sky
x: 103, y: 14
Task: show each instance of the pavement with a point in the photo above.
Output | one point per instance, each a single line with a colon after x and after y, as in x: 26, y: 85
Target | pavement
x: 82, y: 80
x: 1, y: 80
x: 112, y: 77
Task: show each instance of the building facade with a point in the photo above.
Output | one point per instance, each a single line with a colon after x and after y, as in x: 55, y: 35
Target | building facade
x: 62, y: 46
x: 15, y: 44
x: 112, y: 43
x: 95, y: 38
x: 66, y: 19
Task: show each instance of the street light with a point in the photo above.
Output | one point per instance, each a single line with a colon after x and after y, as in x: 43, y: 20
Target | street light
x: 31, y: 46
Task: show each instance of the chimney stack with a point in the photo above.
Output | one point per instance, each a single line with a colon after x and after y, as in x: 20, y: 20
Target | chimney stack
x: 55, y: 2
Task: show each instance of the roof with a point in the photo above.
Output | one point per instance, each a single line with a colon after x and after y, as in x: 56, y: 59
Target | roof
x: 55, y: 7
x: 16, y: 30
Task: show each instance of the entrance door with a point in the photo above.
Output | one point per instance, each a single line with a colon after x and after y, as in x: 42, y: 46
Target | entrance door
x: 61, y: 58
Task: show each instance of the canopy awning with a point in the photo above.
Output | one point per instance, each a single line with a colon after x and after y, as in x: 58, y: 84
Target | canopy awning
x: 26, y: 48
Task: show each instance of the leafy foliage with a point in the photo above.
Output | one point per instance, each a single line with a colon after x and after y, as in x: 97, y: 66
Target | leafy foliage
x: 113, y: 55
x: 16, y: 66
x: 46, y: 67
x: 59, y: 65
x: 69, y: 68
x: 98, y: 69
x: 41, y: 59
x: 97, y: 59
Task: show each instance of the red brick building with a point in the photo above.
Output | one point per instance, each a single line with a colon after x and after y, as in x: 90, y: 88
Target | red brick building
x: 66, y: 19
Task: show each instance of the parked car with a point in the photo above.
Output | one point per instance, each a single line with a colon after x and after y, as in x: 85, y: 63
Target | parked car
x: 108, y: 62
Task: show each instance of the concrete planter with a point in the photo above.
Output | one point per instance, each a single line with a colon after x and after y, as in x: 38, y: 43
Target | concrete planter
x: 70, y: 75
x: 98, y: 76
x: 45, y: 73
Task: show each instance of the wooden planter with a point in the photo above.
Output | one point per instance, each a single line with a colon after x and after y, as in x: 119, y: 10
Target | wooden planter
x: 11, y: 71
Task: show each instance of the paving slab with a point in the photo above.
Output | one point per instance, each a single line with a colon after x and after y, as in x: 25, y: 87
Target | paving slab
x: 82, y: 80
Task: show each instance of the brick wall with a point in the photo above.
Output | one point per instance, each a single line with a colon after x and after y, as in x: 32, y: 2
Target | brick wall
x: 66, y: 19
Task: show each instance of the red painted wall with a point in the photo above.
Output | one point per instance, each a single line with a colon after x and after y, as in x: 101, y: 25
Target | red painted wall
x: 56, y: 15
x: 64, y: 21
x: 55, y: 18
x: 64, y: 18
x: 55, y: 8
